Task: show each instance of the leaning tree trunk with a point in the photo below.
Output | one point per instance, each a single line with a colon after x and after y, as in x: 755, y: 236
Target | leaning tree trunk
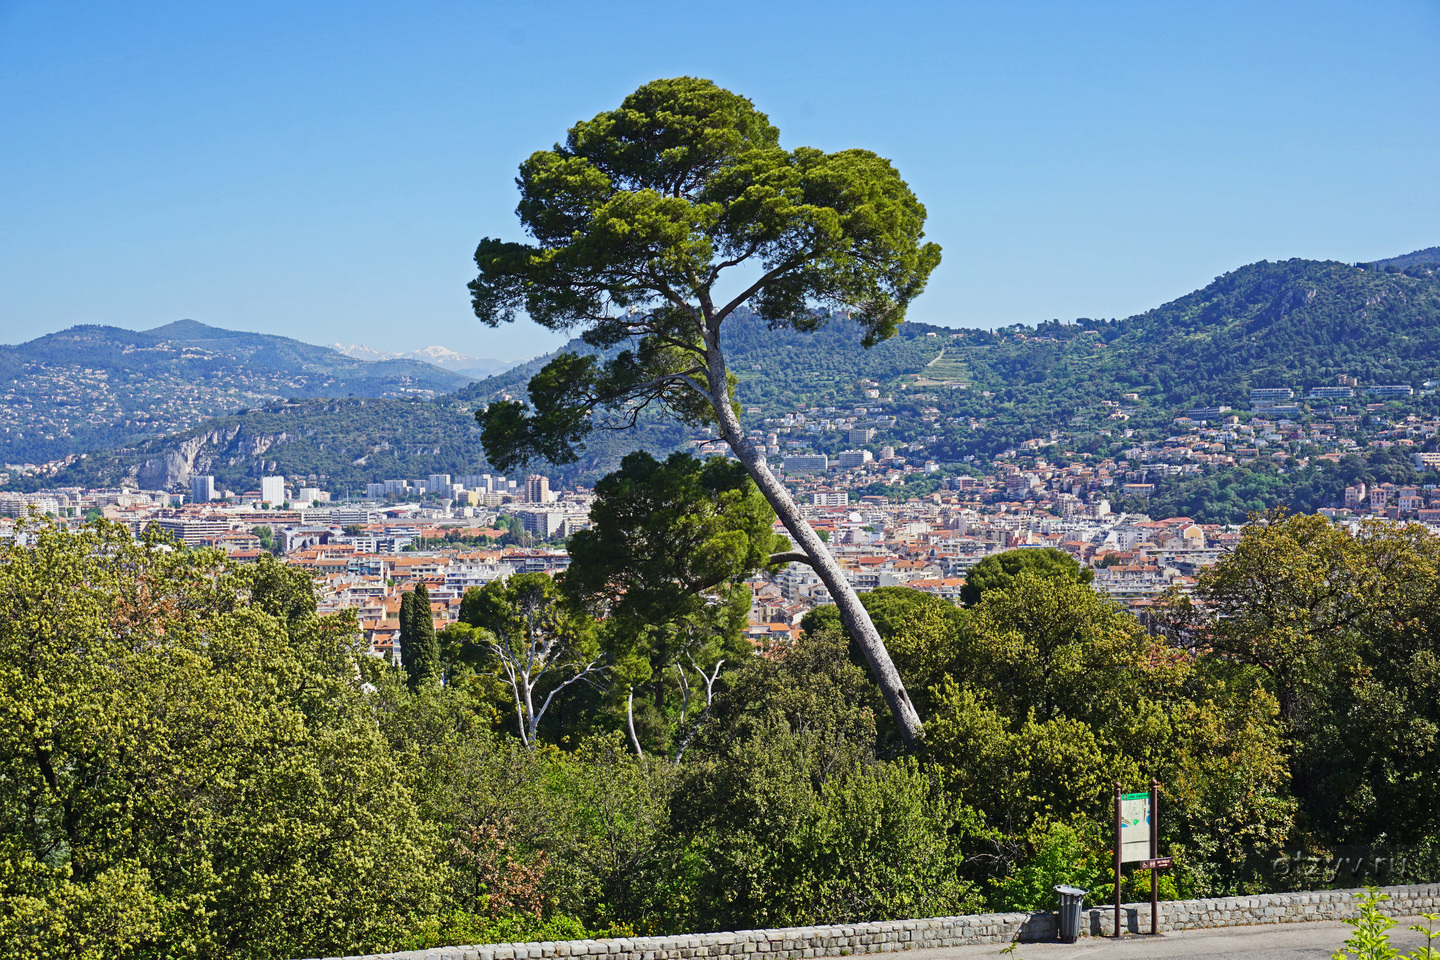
x: 852, y: 613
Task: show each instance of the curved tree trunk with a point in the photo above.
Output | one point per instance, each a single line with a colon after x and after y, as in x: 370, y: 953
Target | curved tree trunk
x: 852, y: 613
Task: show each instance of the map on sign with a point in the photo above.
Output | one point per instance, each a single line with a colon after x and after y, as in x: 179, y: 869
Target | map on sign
x: 1134, y: 827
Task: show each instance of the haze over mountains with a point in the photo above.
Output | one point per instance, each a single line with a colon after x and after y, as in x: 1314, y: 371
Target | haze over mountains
x: 954, y: 392
x: 476, y: 367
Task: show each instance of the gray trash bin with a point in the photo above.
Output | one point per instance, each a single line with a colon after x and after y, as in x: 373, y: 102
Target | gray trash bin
x: 1072, y: 901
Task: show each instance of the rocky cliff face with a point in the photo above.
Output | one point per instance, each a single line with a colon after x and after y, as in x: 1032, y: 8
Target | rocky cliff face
x: 199, y: 454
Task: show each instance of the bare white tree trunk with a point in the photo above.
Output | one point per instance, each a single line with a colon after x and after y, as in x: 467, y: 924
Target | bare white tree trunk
x: 630, y: 722
x: 709, y: 679
x: 852, y: 613
x: 524, y: 669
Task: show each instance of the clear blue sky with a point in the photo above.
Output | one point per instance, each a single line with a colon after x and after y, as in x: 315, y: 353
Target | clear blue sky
x: 324, y: 170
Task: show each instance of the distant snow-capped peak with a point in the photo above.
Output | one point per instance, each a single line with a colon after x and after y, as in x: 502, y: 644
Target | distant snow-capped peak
x: 438, y: 355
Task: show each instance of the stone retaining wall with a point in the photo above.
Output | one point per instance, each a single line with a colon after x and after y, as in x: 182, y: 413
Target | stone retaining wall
x: 1262, y: 908
x: 840, y: 940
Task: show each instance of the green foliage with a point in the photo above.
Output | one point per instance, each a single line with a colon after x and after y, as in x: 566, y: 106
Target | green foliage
x: 197, y: 772
x: 1371, y: 939
x: 1064, y: 691
x: 664, y: 560
x: 266, y: 536
x: 463, y: 927
x: 197, y: 764
x: 664, y: 534
x: 1231, y: 494
x: 923, y: 633
x: 1001, y: 569
x: 419, y: 650
x: 1339, y: 627
x: 793, y: 819
x: 537, y: 644
x: 1063, y: 857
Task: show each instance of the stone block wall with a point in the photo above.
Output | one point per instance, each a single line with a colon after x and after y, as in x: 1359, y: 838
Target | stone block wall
x: 1262, y: 908
x: 840, y: 940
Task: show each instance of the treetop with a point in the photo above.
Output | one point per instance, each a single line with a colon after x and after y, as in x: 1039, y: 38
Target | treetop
x: 643, y: 207
x: 634, y: 220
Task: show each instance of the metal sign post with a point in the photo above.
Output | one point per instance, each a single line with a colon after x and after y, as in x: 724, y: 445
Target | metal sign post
x: 1137, y: 840
x: 1119, y: 834
x: 1154, y: 853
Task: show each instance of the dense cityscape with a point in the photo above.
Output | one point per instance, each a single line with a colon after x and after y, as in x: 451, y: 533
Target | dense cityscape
x: 457, y: 532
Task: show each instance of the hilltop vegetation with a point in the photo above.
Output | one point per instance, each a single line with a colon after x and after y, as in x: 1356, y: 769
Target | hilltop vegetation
x: 1297, y: 323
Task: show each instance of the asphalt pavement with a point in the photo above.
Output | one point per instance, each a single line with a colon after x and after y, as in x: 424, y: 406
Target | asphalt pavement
x: 1280, y: 941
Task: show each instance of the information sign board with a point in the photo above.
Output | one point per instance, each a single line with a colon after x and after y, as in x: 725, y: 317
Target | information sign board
x: 1135, y: 827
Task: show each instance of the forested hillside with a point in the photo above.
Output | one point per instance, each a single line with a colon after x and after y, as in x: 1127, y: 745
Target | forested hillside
x: 1296, y: 323
x: 958, y: 393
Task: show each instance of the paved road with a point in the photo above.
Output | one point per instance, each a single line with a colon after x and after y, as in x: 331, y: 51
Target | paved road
x: 1284, y: 941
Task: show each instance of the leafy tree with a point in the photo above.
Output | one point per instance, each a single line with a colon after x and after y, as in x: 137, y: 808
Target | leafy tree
x: 636, y: 218
x: 407, y: 630
x: 189, y: 770
x: 794, y: 821
x: 663, y: 561
x: 926, y: 635
x: 1047, y: 647
x: 539, y: 644
x: 1341, y: 630
x: 266, y: 536
x: 1001, y: 569
x: 1063, y: 690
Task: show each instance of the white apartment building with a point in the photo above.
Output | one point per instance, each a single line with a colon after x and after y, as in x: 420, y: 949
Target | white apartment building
x: 272, y: 490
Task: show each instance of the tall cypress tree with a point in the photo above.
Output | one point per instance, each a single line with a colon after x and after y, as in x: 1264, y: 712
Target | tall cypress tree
x: 407, y: 634
x: 424, y: 662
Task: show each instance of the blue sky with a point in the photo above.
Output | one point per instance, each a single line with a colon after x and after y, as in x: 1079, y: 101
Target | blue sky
x: 324, y: 170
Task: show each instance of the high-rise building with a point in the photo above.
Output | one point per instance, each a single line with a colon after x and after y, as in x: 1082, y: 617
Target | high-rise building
x: 537, y: 489
x: 202, y: 489
x: 272, y: 490
x: 438, y: 483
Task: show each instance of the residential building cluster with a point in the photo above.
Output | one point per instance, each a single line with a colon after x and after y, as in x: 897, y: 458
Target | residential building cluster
x: 855, y: 471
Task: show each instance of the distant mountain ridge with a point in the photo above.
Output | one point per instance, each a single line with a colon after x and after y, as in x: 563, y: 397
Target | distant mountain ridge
x: 95, y: 387
x: 1430, y: 256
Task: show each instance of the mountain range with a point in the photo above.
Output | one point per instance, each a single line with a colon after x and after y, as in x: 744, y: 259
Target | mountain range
x: 956, y: 393
x: 97, y: 387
